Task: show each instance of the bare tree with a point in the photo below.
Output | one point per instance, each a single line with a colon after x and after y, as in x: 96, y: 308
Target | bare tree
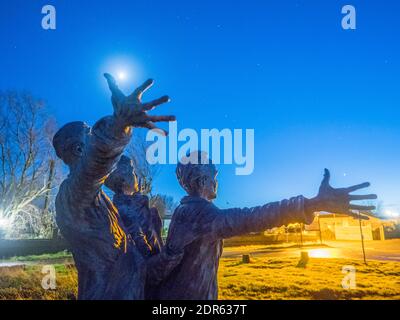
x: 164, y: 204
x: 25, y: 156
x: 145, y: 172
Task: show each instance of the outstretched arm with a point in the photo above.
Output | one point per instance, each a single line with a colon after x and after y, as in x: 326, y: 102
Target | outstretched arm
x: 233, y: 222
x: 110, y: 135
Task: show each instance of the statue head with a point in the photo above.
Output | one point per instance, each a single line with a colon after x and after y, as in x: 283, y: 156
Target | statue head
x: 123, y: 179
x: 69, y: 142
x: 198, y: 175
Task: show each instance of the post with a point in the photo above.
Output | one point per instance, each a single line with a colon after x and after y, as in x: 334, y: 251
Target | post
x: 319, y: 227
x: 381, y: 233
x: 301, y: 235
x: 334, y: 225
x: 246, y: 258
x: 303, y: 260
x: 362, y: 237
x: 48, y: 187
x: 287, y: 234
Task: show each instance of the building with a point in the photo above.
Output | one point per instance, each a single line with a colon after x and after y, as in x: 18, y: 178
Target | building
x: 344, y: 227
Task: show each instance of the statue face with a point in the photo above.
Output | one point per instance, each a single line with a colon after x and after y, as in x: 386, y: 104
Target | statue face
x: 209, y: 186
x: 128, y: 183
x: 123, y: 179
x: 69, y: 142
x: 76, y: 149
x: 198, y: 178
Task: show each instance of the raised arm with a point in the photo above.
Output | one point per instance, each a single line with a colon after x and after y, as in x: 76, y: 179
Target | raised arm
x: 110, y: 135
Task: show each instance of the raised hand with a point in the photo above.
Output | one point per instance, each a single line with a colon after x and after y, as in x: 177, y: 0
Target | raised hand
x: 339, y: 200
x: 131, y: 111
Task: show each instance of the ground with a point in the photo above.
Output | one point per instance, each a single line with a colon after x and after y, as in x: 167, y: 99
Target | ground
x: 279, y: 278
x: 272, y: 274
x: 18, y: 283
x: 388, y: 250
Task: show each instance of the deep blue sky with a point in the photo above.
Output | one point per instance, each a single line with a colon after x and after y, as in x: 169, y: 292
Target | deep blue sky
x: 316, y: 95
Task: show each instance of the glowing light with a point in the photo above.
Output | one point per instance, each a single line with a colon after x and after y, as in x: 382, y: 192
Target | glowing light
x: 319, y: 253
x: 122, y: 75
x: 392, y: 214
x: 126, y: 70
x: 4, y: 223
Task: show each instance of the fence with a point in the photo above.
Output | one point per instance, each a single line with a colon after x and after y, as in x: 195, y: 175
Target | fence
x: 265, y: 239
x: 12, y: 248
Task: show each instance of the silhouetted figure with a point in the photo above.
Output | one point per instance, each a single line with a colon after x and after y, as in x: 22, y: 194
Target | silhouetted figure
x: 144, y: 224
x: 108, y: 262
x: 196, y: 275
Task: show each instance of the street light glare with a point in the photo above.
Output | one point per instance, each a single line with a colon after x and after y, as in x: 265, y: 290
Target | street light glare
x: 392, y: 214
x: 4, y: 223
x: 320, y: 253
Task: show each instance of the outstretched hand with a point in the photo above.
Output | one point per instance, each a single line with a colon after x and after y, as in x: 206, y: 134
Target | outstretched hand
x: 338, y: 200
x: 131, y: 111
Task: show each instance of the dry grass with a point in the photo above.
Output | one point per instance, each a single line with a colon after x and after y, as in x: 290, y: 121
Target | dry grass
x: 263, y: 278
x: 24, y: 283
x: 279, y: 278
x: 62, y: 255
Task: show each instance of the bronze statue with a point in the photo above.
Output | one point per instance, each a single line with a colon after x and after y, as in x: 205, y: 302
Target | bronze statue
x: 144, y: 225
x: 108, y: 262
x: 196, y: 275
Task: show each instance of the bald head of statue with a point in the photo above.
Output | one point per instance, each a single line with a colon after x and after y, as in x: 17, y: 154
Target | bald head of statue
x: 69, y: 142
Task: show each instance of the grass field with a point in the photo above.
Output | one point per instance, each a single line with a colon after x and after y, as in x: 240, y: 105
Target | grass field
x: 263, y: 278
x: 279, y: 278
x: 43, y: 257
x: 25, y: 283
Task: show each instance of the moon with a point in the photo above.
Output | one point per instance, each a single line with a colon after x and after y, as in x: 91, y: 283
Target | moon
x: 121, y: 75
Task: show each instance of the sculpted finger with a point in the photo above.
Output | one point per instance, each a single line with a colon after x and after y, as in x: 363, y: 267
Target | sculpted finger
x: 326, y: 179
x: 152, y: 104
x: 138, y: 93
x: 161, y: 118
x: 151, y: 126
x: 112, y: 84
x: 358, y: 186
x: 363, y: 197
x: 361, y: 208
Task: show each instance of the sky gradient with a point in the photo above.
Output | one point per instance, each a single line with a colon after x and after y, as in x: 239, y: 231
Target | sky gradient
x: 316, y: 95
